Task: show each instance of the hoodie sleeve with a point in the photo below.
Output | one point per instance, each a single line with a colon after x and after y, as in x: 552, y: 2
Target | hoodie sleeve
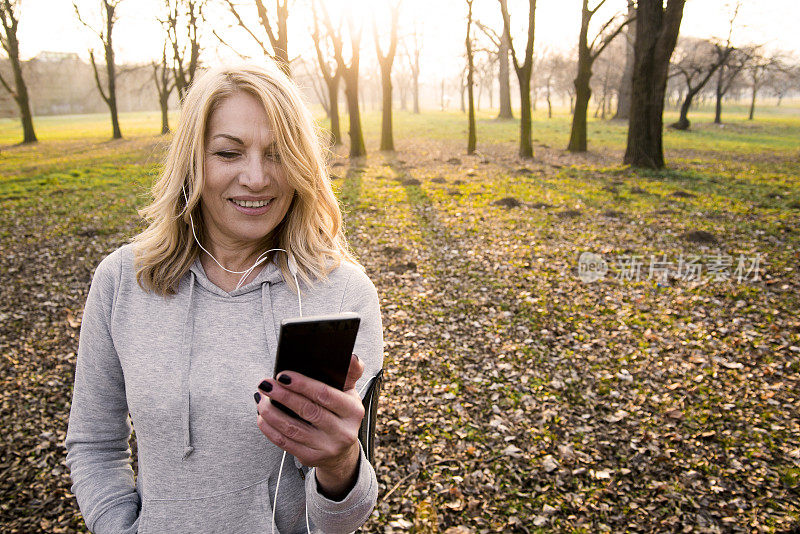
x: 98, y: 455
x: 355, y: 508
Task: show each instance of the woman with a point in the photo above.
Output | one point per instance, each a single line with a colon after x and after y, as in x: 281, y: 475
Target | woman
x: 180, y: 331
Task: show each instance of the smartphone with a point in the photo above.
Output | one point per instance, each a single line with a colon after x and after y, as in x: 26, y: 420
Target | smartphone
x: 319, y: 347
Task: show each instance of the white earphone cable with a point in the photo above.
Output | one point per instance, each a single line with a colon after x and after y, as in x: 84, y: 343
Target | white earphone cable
x: 289, y: 259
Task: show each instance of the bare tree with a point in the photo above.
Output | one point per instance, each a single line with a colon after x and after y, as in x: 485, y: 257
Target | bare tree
x: 9, y: 16
x: 624, y: 91
x: 784, y: 81
x: 278, y: 36
x: 165, y: 83
x: 108, y: 16
x: 385, y: 61
x: 551, y: 64
x: 331, y: 72
x: 185, y: 46
x: 728, y: 73
x: 657, y: 29
x: 697, y: 62
x: 758, y: 69
x: 471, y: 137
x: 402, y: 80
x: 350, y: 75
x: 485, y: 67
x: 413, y: 61
x: 606, y: 81
x: 587, y: 54
x: 501, y: 43
x: 523, y: 71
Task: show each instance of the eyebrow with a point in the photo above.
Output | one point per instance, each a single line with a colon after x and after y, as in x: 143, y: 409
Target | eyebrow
x: 231, y: 137
x: 272, y: 145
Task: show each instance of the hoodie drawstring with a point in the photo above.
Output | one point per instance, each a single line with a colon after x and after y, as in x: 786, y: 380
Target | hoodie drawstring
x: 268, y: 315
x: 188, y: 335
x: 270, y: 329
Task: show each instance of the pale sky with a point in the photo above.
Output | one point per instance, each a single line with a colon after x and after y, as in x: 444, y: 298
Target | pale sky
x: 51, y: 25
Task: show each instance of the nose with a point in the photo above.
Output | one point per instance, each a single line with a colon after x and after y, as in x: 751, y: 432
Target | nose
x: 256, y: 173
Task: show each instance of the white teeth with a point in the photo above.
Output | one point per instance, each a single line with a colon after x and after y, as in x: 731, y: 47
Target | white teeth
x: 251, y: 203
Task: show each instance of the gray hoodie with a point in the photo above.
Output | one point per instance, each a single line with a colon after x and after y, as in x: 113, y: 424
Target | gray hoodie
x: 185, y: 368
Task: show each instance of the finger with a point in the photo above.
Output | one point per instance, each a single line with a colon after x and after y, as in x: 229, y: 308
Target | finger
x: 322, y: 398
x: 288, y: 426
x: 294, y: 399
x: 298, y: 450
x: 354, y: 372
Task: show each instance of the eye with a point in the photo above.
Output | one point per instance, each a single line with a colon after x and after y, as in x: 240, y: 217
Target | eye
x: 226, y: 154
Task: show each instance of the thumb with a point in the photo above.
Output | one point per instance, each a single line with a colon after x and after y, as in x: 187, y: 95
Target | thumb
x: 354, y: 372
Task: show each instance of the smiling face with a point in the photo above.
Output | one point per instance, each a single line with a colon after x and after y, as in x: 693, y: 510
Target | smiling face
x: 245, y: 194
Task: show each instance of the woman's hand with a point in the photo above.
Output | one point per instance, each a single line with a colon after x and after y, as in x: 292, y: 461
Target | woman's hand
x: 330, y: 442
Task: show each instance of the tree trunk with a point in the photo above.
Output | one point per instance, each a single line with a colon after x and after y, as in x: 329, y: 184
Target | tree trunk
x: 357, y: 147
x: 20, y: 91
x: 524, y: 73
x: 23, y: 102
x: 625, y: 83
x: 333, y: 110
x: 656, y: 34
x: 503, y: 79
x: 416, y: 85
x: 112, y: 80
x: 719, y: 91
x: 387, y: 139
x: 577, y: 138
x: 471, y: 137
x: 583, y: 92
x: 525, y: 143
x: 164, y: 103
x: 683, y: 122
x: 753, y: 102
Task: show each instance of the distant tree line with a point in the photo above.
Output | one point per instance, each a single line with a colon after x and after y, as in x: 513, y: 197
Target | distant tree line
x: 627, y: 64
x: 63, y: 84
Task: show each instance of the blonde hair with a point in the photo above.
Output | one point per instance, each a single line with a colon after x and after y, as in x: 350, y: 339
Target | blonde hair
x: 312, y: 229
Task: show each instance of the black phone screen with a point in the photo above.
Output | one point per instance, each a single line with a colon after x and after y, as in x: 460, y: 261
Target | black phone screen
x: 319, y: 347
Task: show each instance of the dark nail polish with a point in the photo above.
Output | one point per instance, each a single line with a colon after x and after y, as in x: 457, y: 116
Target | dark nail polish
x: 284, y: 379
x: 257, y: 396
x: 266, y: 386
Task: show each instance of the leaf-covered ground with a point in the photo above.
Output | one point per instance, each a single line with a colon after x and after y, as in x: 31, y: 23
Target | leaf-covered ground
x: 518, y: 398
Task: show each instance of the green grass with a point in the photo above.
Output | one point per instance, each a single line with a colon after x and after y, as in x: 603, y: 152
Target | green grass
x: 501, y: 284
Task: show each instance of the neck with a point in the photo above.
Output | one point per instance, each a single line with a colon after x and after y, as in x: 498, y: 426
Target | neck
x: 231, y: 257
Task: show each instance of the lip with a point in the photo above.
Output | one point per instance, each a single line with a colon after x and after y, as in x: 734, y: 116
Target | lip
x: 251, y: 211
x: 249, y: 198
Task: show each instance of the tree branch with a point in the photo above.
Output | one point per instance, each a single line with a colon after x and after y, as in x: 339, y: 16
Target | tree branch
x: 80, y: 19
x: 490, y: 33
x: 609, y: 37
x: 264, y: 17
x: 8, y: 87
x: 97, y: 77
x: 221, y: 40
x: 243, y: 25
